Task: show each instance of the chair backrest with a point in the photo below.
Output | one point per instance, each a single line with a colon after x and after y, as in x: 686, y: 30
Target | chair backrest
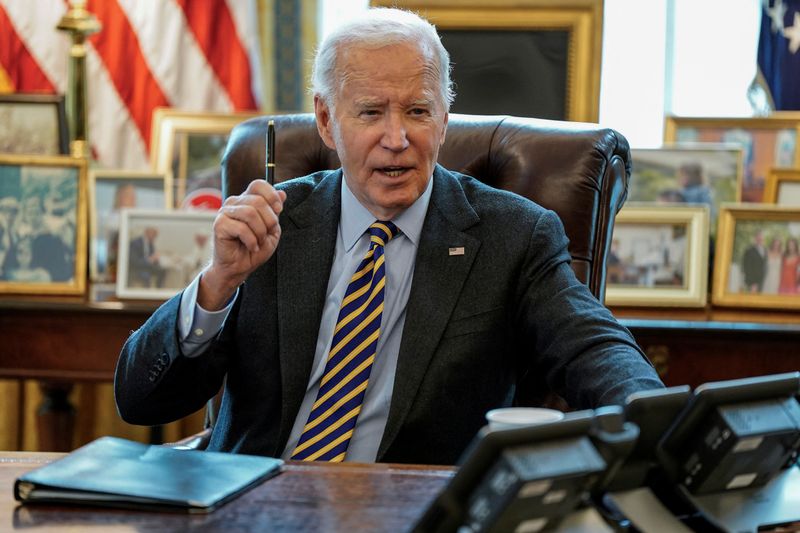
x: 578, y: 170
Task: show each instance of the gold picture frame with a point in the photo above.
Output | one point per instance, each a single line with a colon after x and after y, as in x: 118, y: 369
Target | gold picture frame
x: 33, y: 124
x: 747, y: 277
x: 783, y: 187
x: 767, y: 142
x: 707, y: 173
x: 582, y: 20
x: 110, y: 191
x: 179, y: 246
x: 177, y: 134
x: 43, y: 225
x: 659, y: 257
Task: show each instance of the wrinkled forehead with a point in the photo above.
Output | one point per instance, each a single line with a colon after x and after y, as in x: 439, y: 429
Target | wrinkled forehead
x: 353, y: 62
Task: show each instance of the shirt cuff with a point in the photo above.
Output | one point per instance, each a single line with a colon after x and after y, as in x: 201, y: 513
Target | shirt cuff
x: 198, y: 327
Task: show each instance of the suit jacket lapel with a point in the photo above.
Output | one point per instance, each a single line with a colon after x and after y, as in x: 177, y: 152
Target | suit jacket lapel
x: 438, y: 278
x: 304, y: 257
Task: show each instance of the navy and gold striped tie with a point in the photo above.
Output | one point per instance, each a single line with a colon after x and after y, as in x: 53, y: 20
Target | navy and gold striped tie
x: 333, y: 416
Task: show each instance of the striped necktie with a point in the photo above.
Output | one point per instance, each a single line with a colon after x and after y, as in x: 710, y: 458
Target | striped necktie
x: 333, y: 416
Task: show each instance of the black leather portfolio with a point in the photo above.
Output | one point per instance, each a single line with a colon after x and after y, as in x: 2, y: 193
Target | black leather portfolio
x: 120, y: 473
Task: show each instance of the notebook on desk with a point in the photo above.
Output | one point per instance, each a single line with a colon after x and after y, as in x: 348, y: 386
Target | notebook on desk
x: 116, y: 472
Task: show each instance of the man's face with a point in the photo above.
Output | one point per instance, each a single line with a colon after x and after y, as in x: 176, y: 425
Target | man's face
x: 387, y: 125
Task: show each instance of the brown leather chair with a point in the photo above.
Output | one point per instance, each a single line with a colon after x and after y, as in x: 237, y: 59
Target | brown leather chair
x: 580, y: 171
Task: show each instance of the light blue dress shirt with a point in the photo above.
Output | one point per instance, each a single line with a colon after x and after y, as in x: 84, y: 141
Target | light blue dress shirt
x: 198, y: 327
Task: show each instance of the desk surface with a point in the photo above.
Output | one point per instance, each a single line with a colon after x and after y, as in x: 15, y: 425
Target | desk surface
x: 314, y: 497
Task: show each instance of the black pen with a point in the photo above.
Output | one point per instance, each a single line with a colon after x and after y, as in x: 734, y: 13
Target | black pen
x: 271, y: 152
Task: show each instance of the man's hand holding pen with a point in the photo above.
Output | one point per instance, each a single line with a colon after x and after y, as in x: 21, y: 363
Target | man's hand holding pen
x: 246, y: 234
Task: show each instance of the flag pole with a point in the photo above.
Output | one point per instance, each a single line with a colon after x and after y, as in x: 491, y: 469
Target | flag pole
x: 79, y: 23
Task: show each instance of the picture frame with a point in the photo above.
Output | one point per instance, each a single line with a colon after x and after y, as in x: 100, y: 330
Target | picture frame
x: 43, y: 225
x: 181, y: 243
x: 33, y: 124
x: 768, y: 142
x: 187, y: 147
x: 550, y: 49
x: 783, y: 187
x: 744, y: 277
x: 659, y: 256
x: 708, y: 173
x: 110, y: 191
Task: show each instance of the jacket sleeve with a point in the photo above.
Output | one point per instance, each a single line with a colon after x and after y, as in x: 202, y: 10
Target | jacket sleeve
x: 154, y: 383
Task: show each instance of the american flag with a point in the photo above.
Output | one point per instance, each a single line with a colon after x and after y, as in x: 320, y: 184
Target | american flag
x: 779, y: 53
x: 198, y: 55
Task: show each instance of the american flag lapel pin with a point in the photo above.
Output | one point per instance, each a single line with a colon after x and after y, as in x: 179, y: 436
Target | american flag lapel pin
x: 457, y: 250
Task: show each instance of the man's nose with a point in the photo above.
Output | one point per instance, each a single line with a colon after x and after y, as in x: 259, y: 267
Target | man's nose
x: 394, y: 134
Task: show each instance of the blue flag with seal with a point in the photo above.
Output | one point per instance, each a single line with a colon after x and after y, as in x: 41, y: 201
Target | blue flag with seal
x: 779, y: 54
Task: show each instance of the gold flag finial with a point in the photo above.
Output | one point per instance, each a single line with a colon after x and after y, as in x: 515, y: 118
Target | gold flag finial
x: 79, y: 23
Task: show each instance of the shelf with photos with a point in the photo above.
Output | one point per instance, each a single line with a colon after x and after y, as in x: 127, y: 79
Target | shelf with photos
x: 74, y: 234
x: 708, y: 239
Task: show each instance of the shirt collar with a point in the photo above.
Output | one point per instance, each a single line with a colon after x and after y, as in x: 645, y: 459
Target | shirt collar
x: 355, y: 219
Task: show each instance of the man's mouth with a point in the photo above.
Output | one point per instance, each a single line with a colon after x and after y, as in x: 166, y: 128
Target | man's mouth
x: 393, y: 172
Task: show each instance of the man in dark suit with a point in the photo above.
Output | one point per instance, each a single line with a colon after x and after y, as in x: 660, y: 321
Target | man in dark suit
x: 144, y: 262
x: 470, y: 287
x: 754, y: 264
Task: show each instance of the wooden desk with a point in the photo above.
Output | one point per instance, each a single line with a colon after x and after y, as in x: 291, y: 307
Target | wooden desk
x: 316, y: 497
x: 64, y: 341
x: 61, y: 342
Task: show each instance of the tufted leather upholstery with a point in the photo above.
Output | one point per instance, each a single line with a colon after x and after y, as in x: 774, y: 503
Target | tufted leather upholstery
x: 580, y: 171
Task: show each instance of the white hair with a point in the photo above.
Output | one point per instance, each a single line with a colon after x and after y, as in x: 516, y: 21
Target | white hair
x: 375, y: 28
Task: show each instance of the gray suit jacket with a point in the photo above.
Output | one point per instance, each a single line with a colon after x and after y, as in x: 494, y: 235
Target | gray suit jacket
x: 476, y: 323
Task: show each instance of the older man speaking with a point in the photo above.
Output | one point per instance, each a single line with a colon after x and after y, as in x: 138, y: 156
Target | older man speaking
x: 377, y: 311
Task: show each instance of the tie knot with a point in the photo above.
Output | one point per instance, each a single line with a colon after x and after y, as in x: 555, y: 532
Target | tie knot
x: 381, y: 232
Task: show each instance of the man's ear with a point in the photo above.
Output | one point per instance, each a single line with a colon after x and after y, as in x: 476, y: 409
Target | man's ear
x: 444, y: 131
x: 324, y: 125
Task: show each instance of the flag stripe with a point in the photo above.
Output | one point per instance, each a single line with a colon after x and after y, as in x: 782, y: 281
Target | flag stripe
x: 211, y: 23
x: 21, y: 68
x: 119, y: 50
x: 161, y: 26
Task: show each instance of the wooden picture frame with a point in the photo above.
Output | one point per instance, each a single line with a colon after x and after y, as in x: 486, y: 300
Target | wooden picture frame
x: 33, y: 124
x: 43, y: 225
x: 744, y: 277
x: 181, y: 248
x: 194, y: 180
x: 110, y: 191
x: 659, y: 257
x: 767, y: 142
x: 783, y: 187
x: 708, y: 174
x: 542, y: 56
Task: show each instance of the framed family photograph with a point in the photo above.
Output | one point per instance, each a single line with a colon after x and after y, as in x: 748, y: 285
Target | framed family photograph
x: 758, y: 257
x: 111, y: 191
x: 526, y: 47
x: 33, y: 124
x: 42, y: 225
x: 187, y: 148
x: 767, y: 142
x: 705, y: 175
x: 783, y: 187
x: 659, y: 257
x: 160, y: 252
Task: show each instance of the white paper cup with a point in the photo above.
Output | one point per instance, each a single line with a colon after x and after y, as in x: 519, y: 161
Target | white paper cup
x: 515, y: 417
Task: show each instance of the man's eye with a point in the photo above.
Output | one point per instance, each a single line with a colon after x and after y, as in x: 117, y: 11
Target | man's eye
x: 370, y: 112
x: 419, y: 111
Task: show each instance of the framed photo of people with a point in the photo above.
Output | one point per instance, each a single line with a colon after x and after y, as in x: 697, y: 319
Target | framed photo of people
x: 758, y: 257
x: 704, y: 174
x: 111, y: 191
x: 160, y: 252
x: 187, y: 148
x: 33, y: 124
x: 767, y: 142
x: 530, y: 58
x: 42, y: 225
x: 783, y: 187
x: 659, y: 257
